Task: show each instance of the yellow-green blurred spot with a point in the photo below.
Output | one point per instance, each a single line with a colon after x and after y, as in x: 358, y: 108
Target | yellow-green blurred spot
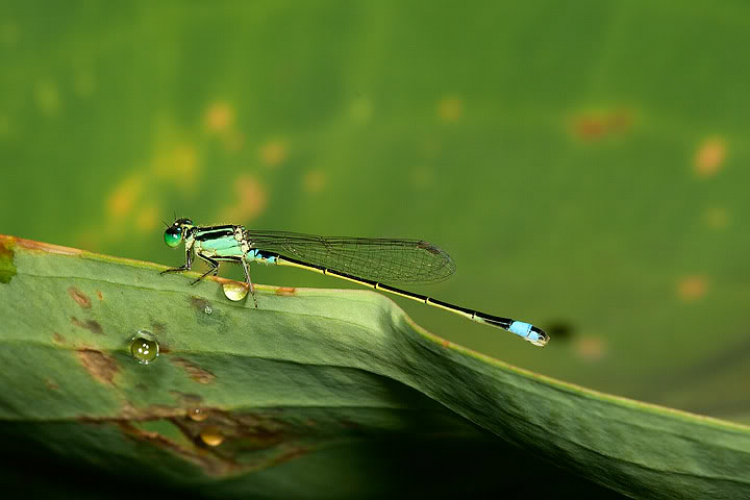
x: 122, y: 200
x: 144, y: 347
x: 450, y: 109
x: 47, y: 98
x: 716, y: 218
x: 212, y: 436
x: 251, y: 200
x: 314, y: 181
x: 219, y: 117
x: 147, y: 219
x: 590, y: 348
x: 361, y: 109
x: 178, y: 164
x: 710, y: 156
x: 273, y: 153
x: 692, y: 288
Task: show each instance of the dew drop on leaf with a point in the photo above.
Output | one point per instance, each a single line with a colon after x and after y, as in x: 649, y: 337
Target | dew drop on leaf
x: 197, y: 414
x: 235, y: 290
x: 212, y: 436
x: 144, y: 347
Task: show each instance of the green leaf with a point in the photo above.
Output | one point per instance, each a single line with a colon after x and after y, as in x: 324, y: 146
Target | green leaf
x: 313, y: 393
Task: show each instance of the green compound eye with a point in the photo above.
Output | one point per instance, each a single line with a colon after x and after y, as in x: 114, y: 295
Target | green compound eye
x: 173, y: 236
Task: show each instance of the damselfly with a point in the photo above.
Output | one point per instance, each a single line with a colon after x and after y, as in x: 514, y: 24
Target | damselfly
x: 371, y: 262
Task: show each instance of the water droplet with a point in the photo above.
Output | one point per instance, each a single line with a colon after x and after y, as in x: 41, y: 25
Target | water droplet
x: 197, y: 414
x: 144, y: 347
x: 212, y: 436
x: 208, y: 309
x: 236, y: 290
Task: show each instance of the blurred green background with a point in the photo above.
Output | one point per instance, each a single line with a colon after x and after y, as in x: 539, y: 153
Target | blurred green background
x: 583, y: 162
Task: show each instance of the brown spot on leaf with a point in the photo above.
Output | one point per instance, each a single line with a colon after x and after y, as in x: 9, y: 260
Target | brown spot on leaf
x: 7, y: 264
x: 6, y: 247
x: 255, y: 421
x: 199, y: 303
x: 130, y: 412
x: 46, y: 247
x: 286, y: 291
x: 246, y: 433
x: 295, y: 452
x: 89, y: 324
x: 260, y: 439
x: 190, y: 399
x: 100, y: 366
x: 99, y: 294
x: 51, y: 384
x: 194, y: 371
x: 159, y: 328
x: 57, y: 338
x: 79, y: 297
x: 211, y: 464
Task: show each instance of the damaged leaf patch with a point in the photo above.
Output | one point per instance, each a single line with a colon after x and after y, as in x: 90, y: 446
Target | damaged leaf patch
x: 100, y: 366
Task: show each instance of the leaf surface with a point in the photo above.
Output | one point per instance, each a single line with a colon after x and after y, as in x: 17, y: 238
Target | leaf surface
x: 314, y: 392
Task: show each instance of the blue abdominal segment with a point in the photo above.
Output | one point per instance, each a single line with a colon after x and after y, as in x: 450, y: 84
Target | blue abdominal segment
x: 261, y: 256
x: 521, y: 329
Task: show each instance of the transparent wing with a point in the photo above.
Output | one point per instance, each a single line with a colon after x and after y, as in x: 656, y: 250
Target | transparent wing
x: 380, y: 259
